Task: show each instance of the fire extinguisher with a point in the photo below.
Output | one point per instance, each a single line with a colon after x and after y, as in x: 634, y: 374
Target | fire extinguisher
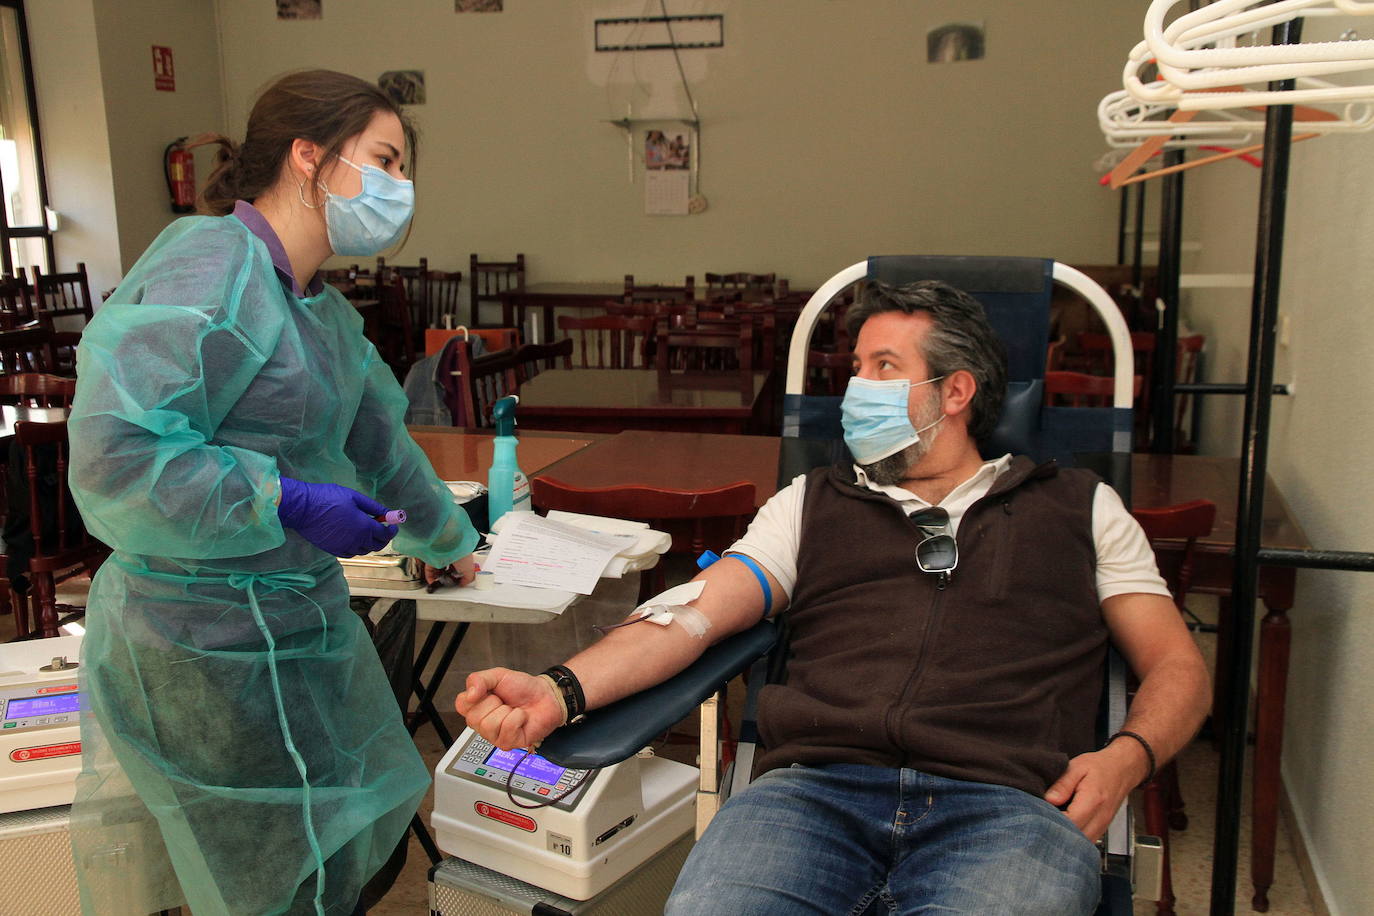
x: 180, y: 170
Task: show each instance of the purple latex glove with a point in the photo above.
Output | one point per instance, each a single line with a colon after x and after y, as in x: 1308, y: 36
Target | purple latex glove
x: 334, y: 518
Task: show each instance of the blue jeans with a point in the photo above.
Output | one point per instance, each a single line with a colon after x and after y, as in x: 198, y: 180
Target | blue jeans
x: 839, y: 839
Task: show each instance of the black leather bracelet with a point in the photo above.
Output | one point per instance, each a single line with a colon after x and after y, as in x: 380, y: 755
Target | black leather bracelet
x: 571, y: 690
x: 1149, y: 751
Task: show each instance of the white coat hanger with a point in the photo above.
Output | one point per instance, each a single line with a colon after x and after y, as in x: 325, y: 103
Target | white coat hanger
x: 1184, y: 65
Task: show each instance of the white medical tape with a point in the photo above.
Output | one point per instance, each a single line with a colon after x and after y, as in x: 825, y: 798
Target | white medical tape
x: 671, y: 606
x: 689, y: 618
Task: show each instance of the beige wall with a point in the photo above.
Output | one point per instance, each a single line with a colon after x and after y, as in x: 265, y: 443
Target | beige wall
x: 1318, y: 437
x: 105, y: 126
x: 76, y: 149
x: 142, y: 120
x: 826, y: 135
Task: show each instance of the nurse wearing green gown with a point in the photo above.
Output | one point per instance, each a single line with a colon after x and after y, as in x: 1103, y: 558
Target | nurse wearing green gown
x: 232, y: 433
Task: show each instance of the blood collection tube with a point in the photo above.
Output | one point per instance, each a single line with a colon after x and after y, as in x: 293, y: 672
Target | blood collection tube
x: 392, y: 517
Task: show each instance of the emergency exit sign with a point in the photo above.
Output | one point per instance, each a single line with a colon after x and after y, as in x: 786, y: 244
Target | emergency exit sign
x: 164, y: 78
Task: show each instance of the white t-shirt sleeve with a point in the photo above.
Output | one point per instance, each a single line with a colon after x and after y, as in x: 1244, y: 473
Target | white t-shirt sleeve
x: 1125, y: 560
x: 775, y: 534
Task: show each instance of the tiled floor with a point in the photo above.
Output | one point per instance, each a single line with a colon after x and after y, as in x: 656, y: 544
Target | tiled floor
x: 1191, y: 849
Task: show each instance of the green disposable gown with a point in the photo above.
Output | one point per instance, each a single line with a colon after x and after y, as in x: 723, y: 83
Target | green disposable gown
x: 237, y: 724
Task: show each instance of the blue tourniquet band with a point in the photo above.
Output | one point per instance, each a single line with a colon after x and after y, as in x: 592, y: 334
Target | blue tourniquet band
x: 757, y: 570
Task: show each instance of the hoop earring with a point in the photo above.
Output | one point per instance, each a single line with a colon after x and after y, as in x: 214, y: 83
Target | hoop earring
x: 300, y: 189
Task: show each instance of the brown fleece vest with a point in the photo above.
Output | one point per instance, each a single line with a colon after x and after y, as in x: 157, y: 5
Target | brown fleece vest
x: 995, y: 677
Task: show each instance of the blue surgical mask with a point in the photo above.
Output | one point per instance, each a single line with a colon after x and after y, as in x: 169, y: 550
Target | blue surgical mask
x: 875, y: 417
x: 375, y: 219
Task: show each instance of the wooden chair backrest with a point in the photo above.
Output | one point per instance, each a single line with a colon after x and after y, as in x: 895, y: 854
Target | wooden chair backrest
x: 609, y: 341
x: 658, y: 292
x: 414, y: 279
x: 535, y: 358
x: 488, y: 279
x: 1078, y: 389
x: 442, y: 294
x: 27, y: 349
x: 831, y: 371
x: 472, y: 385
x: 36, y: 389
x: 63, y: 294
x: 16, y: 305
x: 723, y: 345
x: 1186, y: 522
x: 397, y: 330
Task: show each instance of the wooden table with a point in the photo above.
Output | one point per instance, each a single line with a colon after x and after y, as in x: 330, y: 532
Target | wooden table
x: 685, y: 461
x: 1163, y: 480
x: 10, y: 414
x: 612, y: 400
x: 465, y: 454
x: 594, y: 294
x: 550, y: 296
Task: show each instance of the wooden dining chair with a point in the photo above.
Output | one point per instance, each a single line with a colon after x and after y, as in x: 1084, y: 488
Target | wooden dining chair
x: 37, y: 389
x: 1188, y: 367
x: 25, y: 389
x: 829, y: 372
x: 28, y: 348
x: 532, y: 359
x: 487, y: 280
x: 722, y: 346
x: 16, y: 304
x: 658, y: 292
x: 472, y: 384
x: 1186, y: 522
x: 609, y: 341
x: 61, y: 547
x: 1079, y: 389
x: 442, y: 295
x: 396, y: 337
x: 414, y: 279
x: 64, y: 300
x: 745, y: 287
x: 697, y: 519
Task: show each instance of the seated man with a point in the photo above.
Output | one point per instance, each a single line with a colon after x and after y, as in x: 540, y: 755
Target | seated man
x: 932, y: 745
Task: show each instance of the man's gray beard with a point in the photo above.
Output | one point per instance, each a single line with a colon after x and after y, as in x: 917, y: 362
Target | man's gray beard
x: 890, y: 471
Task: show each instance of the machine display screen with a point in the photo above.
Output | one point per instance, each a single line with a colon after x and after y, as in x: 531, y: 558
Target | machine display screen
x: 43, y: 706
x: 531, y: 767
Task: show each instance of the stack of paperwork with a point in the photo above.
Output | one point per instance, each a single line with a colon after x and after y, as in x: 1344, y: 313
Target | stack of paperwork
x: 568, y: 551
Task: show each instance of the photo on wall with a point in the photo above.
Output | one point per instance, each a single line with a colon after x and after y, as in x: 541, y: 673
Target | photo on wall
x: 299, y: 9
x: 664, y: 152
x: 477, y: 6
x: 955, y: 41
x: 406, y: 87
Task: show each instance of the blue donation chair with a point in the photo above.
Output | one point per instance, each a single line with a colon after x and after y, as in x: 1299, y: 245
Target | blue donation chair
x: 1016, y: 294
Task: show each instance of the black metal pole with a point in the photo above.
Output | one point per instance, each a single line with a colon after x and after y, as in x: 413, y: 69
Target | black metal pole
x: 1161, y: 381
x: 1121, y: 226
x: 1278, y: 131
x: 1138, y: 242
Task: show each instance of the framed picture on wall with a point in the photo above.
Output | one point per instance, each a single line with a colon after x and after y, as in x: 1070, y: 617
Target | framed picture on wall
x: 299, y: 9
x: 955, y: 41
x: 406, y: 87
x: 477, y: 6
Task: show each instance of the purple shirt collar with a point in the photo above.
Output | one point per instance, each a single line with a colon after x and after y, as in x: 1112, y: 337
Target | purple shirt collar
x: 250, y: 216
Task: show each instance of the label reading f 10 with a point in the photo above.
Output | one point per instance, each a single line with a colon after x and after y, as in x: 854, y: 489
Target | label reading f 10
x: 560, y: 844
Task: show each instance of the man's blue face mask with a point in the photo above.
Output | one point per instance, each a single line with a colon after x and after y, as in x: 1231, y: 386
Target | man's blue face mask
x: 875, y: 418
x: 375, y: 219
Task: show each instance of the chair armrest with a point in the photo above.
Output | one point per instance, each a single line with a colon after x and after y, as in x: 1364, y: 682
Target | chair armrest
x: 618, y: 731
